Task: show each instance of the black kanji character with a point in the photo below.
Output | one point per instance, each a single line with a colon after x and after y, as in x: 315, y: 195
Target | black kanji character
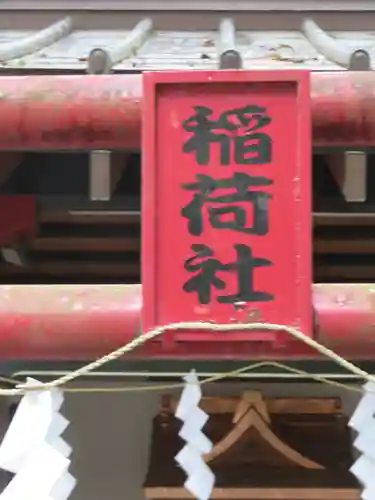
x: 236, y: 127
x: 204, y: 264
x: 240, y: 184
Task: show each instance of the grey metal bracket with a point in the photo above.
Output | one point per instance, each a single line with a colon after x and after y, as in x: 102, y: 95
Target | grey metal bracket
x: 231, y: 59
x: 360, y: 60
x: 99, y: 62
x: 229, y: 56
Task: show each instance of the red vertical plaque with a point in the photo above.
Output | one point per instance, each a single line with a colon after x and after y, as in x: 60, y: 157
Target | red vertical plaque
x: 226, y: 200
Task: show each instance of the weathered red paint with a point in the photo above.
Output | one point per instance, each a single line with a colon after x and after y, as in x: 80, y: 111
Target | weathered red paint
x: 80, y: 322
x: 66, y: 322
x: 70, y: 112
x: 269, y: 118
x: 90, y: 111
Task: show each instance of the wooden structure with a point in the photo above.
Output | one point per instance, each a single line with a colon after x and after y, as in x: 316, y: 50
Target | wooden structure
x: 74, y: 217
x: 88, y: 216
x: 264, y: 449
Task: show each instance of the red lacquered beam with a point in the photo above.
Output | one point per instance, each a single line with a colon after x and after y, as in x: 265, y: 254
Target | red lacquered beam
x: 70, y: 112
x: 103, y: 112
x: 81, y: 322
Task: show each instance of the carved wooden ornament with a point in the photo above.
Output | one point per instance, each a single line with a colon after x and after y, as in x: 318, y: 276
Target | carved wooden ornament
x: 280, y: 448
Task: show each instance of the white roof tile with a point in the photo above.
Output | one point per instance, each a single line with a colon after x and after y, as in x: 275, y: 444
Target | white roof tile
x: 164, y: 50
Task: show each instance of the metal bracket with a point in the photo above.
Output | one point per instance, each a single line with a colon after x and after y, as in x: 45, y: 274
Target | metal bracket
x: 349, y: 169
x: 100, y: 175
x: 229, y: 56
x: 334, y: 50
x: 360, y: 60
x: 231, y: 59
x: 99, y: 62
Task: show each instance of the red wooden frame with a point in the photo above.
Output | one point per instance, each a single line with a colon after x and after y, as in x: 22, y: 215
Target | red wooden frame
x: 151, y: 209
x: 104, y: 111
x: 64, y: 322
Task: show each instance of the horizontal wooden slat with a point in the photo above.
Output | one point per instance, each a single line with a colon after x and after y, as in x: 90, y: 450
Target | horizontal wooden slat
x: 87, y: 244
x: 134, y: 216
x: 100, y: 269
x: 344, y: 272
x: 274, y: 405
x: 344, y: 219
x: 155, y: 493
x: 344, y: 240
x: 344, y: 247
x: 90, y: 217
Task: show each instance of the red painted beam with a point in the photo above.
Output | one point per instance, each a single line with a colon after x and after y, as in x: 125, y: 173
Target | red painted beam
x: 80, y: 322
x: 103, y: 112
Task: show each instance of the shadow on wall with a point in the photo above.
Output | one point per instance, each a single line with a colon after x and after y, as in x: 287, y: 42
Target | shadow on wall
x: 66, y: 174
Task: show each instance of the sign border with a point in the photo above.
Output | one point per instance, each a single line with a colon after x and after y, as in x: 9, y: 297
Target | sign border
x: 151, y: 82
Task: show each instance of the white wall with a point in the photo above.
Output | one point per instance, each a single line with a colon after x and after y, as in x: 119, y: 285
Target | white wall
x: 110, y: 434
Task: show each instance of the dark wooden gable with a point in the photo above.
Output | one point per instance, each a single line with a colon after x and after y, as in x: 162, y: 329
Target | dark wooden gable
x: 285, y: 449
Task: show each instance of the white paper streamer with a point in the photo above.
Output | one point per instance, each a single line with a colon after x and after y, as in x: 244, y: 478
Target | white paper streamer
x: 363, y: 421
x: 34, y: 450
x: 200, y: 478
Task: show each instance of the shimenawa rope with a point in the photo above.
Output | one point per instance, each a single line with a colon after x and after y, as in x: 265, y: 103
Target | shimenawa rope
x: 197, y: 326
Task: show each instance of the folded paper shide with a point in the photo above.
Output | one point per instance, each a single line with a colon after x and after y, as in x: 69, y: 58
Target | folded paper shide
x: 200, y: 478
x: 363, y: 421
x: 34, y: 450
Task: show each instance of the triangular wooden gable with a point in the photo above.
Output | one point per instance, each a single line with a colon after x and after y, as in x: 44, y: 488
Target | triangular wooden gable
x: 264, y: 449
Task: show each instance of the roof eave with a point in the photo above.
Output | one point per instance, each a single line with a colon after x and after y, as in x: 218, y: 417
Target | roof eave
x: 194, y: 5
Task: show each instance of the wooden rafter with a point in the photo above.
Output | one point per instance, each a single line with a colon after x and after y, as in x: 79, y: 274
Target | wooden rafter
x: 259, y: 494
x: 252, y: 415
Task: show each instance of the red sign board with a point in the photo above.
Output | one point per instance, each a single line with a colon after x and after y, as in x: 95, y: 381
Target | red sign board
x: 226, y: 200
